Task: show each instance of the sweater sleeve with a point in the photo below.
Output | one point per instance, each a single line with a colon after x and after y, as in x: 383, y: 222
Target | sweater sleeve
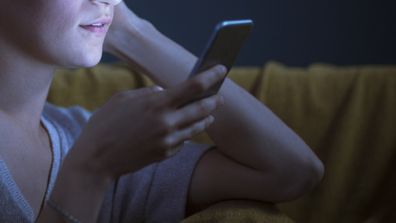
x: 156, y: 193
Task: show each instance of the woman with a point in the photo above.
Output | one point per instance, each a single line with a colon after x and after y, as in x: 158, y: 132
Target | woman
x: 128, y: 161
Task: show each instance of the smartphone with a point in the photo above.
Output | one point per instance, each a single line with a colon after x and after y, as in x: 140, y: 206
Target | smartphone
x: 222, y: 48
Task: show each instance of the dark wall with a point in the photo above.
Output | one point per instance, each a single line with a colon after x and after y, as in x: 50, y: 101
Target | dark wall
x: 290, y: 31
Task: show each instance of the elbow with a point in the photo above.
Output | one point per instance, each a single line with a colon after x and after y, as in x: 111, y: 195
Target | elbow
x: 308, y: 174
x: 291, y: 182
x: 314, y: 171
x: 294, y: 181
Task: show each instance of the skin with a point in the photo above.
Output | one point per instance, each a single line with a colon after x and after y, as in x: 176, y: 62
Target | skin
x: 256, y: 156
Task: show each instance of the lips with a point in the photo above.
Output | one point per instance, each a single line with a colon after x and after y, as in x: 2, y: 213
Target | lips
x: 95, y: 28
x: 98, y: 26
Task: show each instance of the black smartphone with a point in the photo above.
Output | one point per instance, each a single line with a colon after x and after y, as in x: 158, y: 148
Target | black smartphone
x: 222, y: 48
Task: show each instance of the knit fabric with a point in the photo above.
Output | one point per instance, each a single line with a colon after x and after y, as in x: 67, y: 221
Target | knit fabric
x: 156, y: 193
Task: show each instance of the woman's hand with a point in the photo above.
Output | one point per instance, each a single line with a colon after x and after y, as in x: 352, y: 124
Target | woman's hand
x: 136, y: 128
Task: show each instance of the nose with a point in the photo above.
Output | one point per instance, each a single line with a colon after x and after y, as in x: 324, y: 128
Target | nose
x: 108, y: 2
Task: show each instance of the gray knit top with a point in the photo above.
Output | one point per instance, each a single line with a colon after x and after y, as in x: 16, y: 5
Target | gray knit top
x: 156, y: 193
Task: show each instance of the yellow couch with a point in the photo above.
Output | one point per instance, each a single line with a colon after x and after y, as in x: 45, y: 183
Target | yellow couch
x: 346, y: 114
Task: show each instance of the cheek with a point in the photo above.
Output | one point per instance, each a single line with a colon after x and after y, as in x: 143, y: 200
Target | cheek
x: 37, y: 27
x: 59, y: 16
x: 49, y: 31
x: 66, y: 42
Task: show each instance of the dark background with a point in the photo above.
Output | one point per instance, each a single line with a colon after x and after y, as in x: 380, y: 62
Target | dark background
x: 294, y: 32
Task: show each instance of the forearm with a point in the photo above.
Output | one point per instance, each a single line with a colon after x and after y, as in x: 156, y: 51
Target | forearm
x: 147, y: 50
x: 245, y: 129
x: 77, y: 193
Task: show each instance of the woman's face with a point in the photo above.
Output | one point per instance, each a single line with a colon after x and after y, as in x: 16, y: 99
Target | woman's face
x: 67, y: 33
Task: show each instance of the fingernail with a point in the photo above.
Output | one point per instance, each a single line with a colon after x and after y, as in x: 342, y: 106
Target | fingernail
x: 211, y: 119
x: 223, y: 70
x: 158, y: 88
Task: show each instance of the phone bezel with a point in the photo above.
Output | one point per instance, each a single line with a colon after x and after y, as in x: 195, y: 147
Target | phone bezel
x: 244, y: 27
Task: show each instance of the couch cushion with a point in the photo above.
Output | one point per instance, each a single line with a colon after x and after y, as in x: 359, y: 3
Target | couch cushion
x: 92, y: 87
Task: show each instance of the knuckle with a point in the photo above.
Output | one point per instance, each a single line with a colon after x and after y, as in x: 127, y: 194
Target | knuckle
x: 167, y: 143
x: 201, y: 126
x: 166, y: 98
x: 167, y: 124
x: 206, y: 105
x: 207, y: 122
x: 197, y: 85
x: 194, y: 131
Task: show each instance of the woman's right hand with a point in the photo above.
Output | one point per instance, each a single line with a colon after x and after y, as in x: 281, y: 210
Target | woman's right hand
x: 138, y: 127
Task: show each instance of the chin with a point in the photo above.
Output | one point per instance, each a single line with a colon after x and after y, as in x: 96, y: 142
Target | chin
x: 86, y: 60
x: 91, y: 62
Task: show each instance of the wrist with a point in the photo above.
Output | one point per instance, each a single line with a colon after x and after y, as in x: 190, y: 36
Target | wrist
x: 147, y: 50
x: 131, y: 34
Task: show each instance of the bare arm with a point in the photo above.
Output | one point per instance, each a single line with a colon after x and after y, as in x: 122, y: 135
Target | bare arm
x: 246, y: 132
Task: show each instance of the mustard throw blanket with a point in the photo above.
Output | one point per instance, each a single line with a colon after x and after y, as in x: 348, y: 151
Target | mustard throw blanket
x: 346, y: 114
x: 348, y: 117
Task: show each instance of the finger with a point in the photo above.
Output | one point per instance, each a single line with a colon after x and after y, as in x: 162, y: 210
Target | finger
x: 182, y: 135
x: 174, y: 150
x: 140, y: 92
x: 146, y: 91
x: 196, y: 111
x: 196, y: 86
